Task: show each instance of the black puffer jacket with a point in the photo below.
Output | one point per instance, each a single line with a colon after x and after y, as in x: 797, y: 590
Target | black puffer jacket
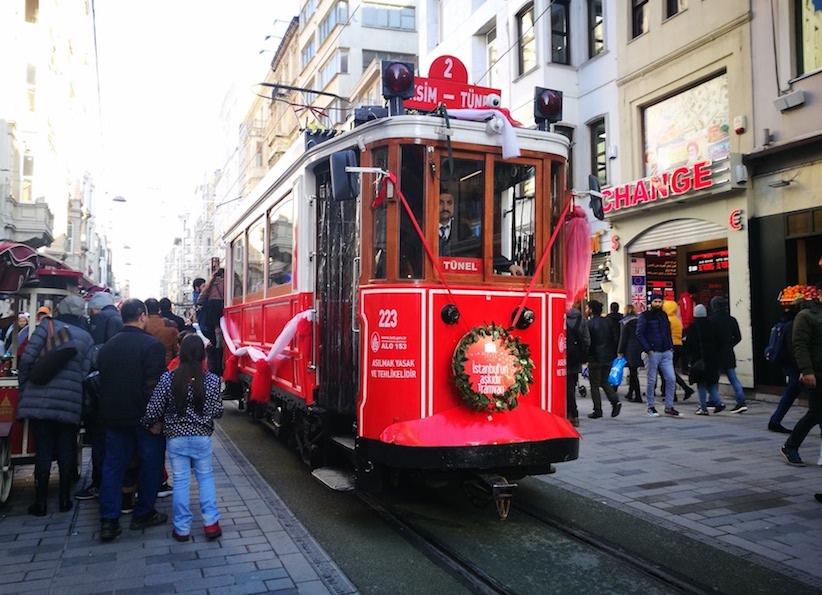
x: 60, y: 400
x: 105, y: 324
x: 700, y: 344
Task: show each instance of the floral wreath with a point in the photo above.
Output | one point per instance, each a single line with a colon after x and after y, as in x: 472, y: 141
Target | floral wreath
x: 523, y: 369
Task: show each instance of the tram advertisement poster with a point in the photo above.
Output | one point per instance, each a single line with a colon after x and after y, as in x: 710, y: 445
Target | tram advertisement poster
x: 394, y: 340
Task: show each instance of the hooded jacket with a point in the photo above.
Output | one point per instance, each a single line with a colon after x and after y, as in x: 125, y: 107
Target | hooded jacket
x: 700, y: 344
x: 104, y: 324
x: 575, y: 323
x: 629, y: 345
x: 807, y: 340
x: 671, y: 309
x: 727, y: 332
x: 61, y: 400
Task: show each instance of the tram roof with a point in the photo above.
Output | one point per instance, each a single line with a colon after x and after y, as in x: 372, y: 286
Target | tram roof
x: 422, y: 127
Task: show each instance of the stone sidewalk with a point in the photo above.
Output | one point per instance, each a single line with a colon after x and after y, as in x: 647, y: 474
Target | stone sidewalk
x: 264, y: 548
x: 719, y: 479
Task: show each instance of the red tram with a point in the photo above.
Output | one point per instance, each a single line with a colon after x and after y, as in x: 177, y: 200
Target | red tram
x: 418, y: 321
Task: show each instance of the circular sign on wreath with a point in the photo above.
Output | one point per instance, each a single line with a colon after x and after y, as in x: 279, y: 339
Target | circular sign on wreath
x: 492, y: 368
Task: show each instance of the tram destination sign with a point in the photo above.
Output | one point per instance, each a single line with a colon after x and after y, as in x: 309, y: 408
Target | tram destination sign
x: 447, y: 83
x: 658, y: 187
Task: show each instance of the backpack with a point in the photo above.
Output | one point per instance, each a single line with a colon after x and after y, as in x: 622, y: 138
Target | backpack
x: 776, y: 349
x: 573, y: 349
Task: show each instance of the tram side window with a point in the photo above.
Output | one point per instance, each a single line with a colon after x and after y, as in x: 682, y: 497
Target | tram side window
x: 461, y: 202
x: 378, y: 230
x: 280, y: 242
x: 412, y: 184
x: 237, y: 259
x: 255, y: 273
x: 557, y: 176
x: 514, y: 218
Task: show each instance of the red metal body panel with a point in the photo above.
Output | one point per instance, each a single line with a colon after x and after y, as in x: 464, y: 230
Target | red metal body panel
x: 406, y: 364
x: 261, y: 322
x: 18, y: 431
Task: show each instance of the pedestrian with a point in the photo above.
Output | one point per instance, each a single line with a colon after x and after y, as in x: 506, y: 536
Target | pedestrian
x: 686, y: 306
x: 211, y: 301
x: 703, y: 361
x: 601, y: 355
x: 671, y: 310
x: 577, y: 341
x: 187, y: 401
x: 165, y: 312
x: 728, y: 336
x: 785, y: 359
x: 130, y: 365
x: 615, y: 315
x: 162, y: 329
x: 105, y: 318
x: 105, y: 323
x: 197, y: 287
x: 20, y: 332
x: 807, y: 349
x: 653, y: 331
x: 630, y: 348
x: 55, y: 405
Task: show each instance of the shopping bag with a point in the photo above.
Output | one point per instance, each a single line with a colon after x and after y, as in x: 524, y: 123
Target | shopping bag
x: 617, y: 370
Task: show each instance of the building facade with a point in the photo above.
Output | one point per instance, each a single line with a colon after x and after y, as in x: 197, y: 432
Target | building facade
x: 685, y: 101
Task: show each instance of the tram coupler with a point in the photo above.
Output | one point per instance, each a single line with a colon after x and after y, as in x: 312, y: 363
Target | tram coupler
x: 502, y: 491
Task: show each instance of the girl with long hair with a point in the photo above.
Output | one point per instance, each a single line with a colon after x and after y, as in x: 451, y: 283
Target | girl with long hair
x: 186, y: 401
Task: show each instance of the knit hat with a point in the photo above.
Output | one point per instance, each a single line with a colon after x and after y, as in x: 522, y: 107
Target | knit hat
x: 700, y: 311
x: 100, y: 300
x: 656, y: 296
x: 72, y: 305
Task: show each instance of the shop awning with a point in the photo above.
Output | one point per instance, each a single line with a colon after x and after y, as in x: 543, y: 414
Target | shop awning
x: 51, y: 267
x: 17, y: 263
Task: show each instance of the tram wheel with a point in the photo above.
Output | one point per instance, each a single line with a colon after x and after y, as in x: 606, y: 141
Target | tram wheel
x: 6, y: 471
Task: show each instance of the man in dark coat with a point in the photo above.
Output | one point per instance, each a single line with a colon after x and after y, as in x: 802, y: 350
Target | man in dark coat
x: 55, y: 408
x: 601, y: 356
x: 653, y: 331
x: 631, y: 350
x: 130, y: 365
x: 728, y: 336
x: 165, y: 312
x: 577, y: 343
x: 105, y: 318
x: 807, y: 350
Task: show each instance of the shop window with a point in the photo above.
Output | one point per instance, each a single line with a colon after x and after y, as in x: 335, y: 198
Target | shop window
x: 560, y: 31
x: 237, y: 260
x: 379, y: 214
x: 412, y: 184
x: 280, y: 243
x: 514, y: 217
x: 674, y: 7
x: 599, y: 159
x: 596, y: 28
x: 808, y: 15
x: 527, y: 39
x: 687, y: 128
x: 640, y: 17
x: 461, y: 202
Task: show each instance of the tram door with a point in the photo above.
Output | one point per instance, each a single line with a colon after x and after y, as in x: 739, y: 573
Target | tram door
x: 337, y: 257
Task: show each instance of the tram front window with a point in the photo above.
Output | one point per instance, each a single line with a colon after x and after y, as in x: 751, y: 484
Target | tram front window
x: 461, y: 203
x: 412, y: 184
x: 378, y: 230
x: 514, y: 218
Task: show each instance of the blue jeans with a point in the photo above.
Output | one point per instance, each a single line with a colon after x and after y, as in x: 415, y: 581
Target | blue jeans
x: 739, y: 393
x: 664, y: 362
x: 789, y: 396
x: 185, y: 453
x: 702, y: 392
x: 121, y: 445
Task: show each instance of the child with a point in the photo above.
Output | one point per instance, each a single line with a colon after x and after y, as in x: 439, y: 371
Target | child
x: 187, y: 401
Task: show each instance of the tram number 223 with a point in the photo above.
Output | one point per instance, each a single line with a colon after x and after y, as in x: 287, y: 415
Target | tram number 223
x: 388, y: 318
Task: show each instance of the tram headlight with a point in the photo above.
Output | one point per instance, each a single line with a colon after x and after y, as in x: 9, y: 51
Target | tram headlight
x: 547, y: 107
x: 397, y: 84
x: 526, y: 319
x: 450, y: 314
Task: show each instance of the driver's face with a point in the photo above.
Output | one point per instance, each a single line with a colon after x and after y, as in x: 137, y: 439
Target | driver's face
x: 446, y: 208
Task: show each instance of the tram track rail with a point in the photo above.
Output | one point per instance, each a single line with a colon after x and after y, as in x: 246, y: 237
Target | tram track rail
x: 478, y: 581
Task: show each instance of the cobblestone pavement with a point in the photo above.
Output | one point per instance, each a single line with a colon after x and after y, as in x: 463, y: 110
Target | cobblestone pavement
x: 264, y: 548
x: 719, y: 479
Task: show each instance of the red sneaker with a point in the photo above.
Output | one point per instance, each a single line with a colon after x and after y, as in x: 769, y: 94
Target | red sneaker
x: 212, y: 531
x: 179, y: 537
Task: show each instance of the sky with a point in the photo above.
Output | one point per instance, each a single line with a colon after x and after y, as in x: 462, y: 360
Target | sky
x: 165, y: 68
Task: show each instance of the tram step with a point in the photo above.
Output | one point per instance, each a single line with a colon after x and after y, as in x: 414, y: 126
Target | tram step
x: 346, y: 442
x: 339, y: 480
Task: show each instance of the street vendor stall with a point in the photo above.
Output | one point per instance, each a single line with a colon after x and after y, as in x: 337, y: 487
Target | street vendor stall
x: 29, y: 281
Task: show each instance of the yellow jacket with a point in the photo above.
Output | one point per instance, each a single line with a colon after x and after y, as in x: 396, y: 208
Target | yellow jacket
x: 672, y: 310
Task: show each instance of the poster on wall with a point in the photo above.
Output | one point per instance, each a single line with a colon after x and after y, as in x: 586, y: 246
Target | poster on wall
x: 690, y: 127
x: 637, y: 272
